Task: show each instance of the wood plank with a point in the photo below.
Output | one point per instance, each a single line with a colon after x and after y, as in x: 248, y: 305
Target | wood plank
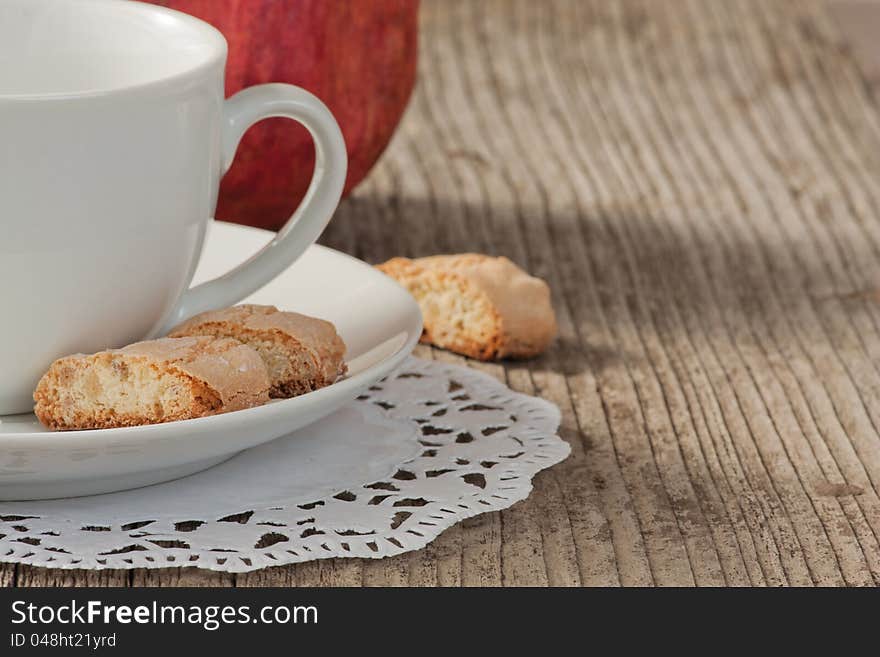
x: 7, y: 574
x: 40, y: 577
x: 859, y: 24
x: 181, y: 577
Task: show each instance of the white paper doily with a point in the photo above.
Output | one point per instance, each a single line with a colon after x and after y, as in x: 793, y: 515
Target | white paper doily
x: 427, y: 447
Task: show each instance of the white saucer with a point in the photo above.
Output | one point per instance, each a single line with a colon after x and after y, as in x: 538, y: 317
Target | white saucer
x: 378, y: 320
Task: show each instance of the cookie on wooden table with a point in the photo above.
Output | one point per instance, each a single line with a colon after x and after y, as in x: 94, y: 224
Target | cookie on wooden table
x: 302, y: 353
x: 151, y: 382
x: 478, y: 305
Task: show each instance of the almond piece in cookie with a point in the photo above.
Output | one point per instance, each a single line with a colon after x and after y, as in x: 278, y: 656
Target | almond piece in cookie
x: 302, y: 353
x: 477, y: 305
x: 151, y: 382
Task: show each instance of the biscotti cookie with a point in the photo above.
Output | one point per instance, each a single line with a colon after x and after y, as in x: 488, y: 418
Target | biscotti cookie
x: 302, y: 353
x: 478, y: 305
x: 151, y: 382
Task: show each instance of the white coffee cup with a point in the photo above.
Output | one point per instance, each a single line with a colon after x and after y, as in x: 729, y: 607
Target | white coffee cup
x: 114, y: 134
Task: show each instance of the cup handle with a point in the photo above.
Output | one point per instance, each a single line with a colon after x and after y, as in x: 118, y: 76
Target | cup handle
x: 240, y: 112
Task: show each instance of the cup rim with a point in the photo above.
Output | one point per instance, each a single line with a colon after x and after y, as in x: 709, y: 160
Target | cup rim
x: 211, y: 34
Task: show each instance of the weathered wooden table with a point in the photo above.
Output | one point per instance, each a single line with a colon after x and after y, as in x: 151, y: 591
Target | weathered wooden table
x: 698, y: 181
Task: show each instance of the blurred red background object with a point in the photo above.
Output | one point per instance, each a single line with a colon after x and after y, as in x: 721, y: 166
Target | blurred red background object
x: 358, y: 56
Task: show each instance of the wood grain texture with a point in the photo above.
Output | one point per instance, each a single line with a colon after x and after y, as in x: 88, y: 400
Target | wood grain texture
x: 859, y: 23
x: 698, y: 182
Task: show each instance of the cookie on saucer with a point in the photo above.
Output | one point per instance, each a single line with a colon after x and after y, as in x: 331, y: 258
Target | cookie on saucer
x: 151, y: 382
x: 302, y: 353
